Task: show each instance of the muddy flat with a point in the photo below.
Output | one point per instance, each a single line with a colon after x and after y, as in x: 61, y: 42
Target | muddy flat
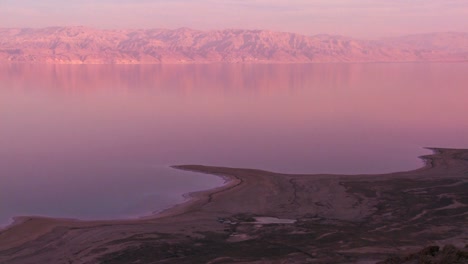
x: 266, y: 217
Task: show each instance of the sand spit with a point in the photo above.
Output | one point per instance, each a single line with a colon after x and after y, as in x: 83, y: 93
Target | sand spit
x: 338, y: 219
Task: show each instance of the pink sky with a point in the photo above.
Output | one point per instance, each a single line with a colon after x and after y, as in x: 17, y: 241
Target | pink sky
x: 360, y: 18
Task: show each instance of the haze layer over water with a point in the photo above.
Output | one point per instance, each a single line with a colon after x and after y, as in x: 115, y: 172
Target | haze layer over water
x: 96, y: 141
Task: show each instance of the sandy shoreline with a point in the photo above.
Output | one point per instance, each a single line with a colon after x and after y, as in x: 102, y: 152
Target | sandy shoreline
x: 194, y: 200
x: 190, y: 199
x: 335, y: 207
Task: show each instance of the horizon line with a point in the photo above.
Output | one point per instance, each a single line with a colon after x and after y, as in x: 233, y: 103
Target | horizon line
x: 244, y: 29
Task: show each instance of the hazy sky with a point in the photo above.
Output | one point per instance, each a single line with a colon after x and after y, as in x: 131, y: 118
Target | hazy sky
x: 360, y: 18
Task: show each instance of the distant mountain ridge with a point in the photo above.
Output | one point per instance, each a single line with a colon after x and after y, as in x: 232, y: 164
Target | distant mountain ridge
x: 82, y: 45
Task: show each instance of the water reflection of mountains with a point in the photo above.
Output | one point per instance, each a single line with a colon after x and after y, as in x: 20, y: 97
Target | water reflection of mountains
x: 212, y: 77
x: 168, y: 77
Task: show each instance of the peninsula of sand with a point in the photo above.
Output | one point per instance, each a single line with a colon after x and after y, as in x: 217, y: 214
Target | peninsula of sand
x: 266, y: 217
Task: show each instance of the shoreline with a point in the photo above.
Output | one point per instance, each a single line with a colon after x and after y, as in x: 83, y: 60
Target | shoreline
x: 195, y: 200
x: 190, y: 198
x: 320, y: 204
x: 195, y: 197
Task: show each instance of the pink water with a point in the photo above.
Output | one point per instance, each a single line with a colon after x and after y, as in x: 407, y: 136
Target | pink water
x: 95, y: 142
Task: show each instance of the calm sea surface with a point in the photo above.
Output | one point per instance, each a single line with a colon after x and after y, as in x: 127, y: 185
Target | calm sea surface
x: 95, y: 142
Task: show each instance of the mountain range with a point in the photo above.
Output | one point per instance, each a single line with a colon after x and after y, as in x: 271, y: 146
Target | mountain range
x: 82, y: 45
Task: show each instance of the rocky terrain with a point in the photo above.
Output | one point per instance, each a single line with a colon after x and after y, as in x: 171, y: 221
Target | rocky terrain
x: 81, y: 45
x: 418, y: 216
